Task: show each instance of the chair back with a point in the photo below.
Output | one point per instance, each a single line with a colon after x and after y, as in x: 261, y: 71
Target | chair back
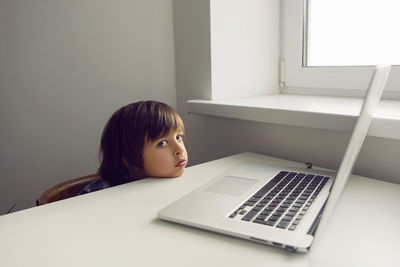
x: 66, y: 189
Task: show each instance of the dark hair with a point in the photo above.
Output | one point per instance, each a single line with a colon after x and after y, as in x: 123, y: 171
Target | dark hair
x: 125, y: 134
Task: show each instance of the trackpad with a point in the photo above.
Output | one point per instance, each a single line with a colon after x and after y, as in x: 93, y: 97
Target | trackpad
x: 231, y: 185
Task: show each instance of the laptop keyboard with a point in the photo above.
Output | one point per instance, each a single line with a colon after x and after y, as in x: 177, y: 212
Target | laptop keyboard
x: 283, y: 201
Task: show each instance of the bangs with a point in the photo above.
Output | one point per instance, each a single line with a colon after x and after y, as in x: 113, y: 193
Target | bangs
x: 162, y: 119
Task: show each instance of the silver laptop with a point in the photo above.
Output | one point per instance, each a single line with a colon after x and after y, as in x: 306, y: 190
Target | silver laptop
x: 276, y: 205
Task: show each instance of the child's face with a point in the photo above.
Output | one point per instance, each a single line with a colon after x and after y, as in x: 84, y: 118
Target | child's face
x: 166, y: 156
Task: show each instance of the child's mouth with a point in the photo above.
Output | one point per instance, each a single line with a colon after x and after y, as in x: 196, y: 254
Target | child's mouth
x: 181, y: 163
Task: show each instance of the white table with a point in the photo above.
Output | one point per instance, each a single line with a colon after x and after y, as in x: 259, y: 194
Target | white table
x: 118, y: 227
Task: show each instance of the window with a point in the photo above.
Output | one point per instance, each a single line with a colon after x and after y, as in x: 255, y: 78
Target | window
x: 331, y: 56
x: 364, y: 34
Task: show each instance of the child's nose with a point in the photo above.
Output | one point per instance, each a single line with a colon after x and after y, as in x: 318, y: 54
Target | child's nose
x: 178, y: 149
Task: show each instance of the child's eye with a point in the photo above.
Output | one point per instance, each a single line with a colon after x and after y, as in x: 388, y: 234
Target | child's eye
x: 162, y: 143
x: 179, y: 137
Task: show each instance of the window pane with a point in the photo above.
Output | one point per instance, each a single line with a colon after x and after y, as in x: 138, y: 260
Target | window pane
x: 353, y: 32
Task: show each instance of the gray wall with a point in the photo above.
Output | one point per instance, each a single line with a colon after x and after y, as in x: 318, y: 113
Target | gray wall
x: 65, y: 66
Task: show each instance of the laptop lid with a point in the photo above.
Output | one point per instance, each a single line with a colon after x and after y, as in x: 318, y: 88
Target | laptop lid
x: 360, y: 131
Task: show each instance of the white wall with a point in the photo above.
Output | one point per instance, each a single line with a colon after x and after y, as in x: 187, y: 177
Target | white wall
x: 65, y: 66
x: 209, y: 138
x: 244, y: 48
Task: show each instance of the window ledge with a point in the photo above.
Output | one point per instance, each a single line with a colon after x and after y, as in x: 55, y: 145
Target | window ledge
x: 322, y: 112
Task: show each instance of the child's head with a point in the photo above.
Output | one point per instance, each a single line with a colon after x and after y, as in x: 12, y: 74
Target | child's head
x: 142, y: 139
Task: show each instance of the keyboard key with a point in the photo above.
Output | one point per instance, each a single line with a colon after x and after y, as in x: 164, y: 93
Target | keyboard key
x: 254, y: 199
x: 291, y: 213
x: 270, y: 222
x: 281, y: 209
x: 283, y: 224
x: 274, y: 218
x: 287, y: 218
x: 269, y: 208
x: 257, y: 208
x: 261, y: 217
x: 265, y: 212
x: 249, y: 203
x: 250, y: 215
x: 294, y: 209
x: 296, y: 222
x: 261, y: 205
x: 242, y: 212
x: 278, y: 214
x: 233, y: 215
x: 260, y: 221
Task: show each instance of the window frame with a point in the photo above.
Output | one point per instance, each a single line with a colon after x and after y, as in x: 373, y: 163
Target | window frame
x: 335, y: 80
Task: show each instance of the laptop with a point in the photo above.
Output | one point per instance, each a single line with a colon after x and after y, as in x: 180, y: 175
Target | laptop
x: 276, y: 205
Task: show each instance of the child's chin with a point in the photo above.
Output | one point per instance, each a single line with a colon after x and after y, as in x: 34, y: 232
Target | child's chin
x: 178, y: 174
x: 175, y: 175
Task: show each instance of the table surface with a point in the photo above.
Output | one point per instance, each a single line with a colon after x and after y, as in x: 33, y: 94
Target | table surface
x: 119, y: 227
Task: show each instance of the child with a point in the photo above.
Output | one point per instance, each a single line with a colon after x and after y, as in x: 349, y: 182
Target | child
x: 142, y: 139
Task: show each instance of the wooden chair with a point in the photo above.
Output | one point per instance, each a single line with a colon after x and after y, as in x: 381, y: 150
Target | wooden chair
x: 65, y: 189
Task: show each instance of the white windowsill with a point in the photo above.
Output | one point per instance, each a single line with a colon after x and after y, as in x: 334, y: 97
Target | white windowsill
x: 323, y: 112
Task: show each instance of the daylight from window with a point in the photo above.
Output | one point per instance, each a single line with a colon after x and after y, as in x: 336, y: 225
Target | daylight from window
x: 353, y: 32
